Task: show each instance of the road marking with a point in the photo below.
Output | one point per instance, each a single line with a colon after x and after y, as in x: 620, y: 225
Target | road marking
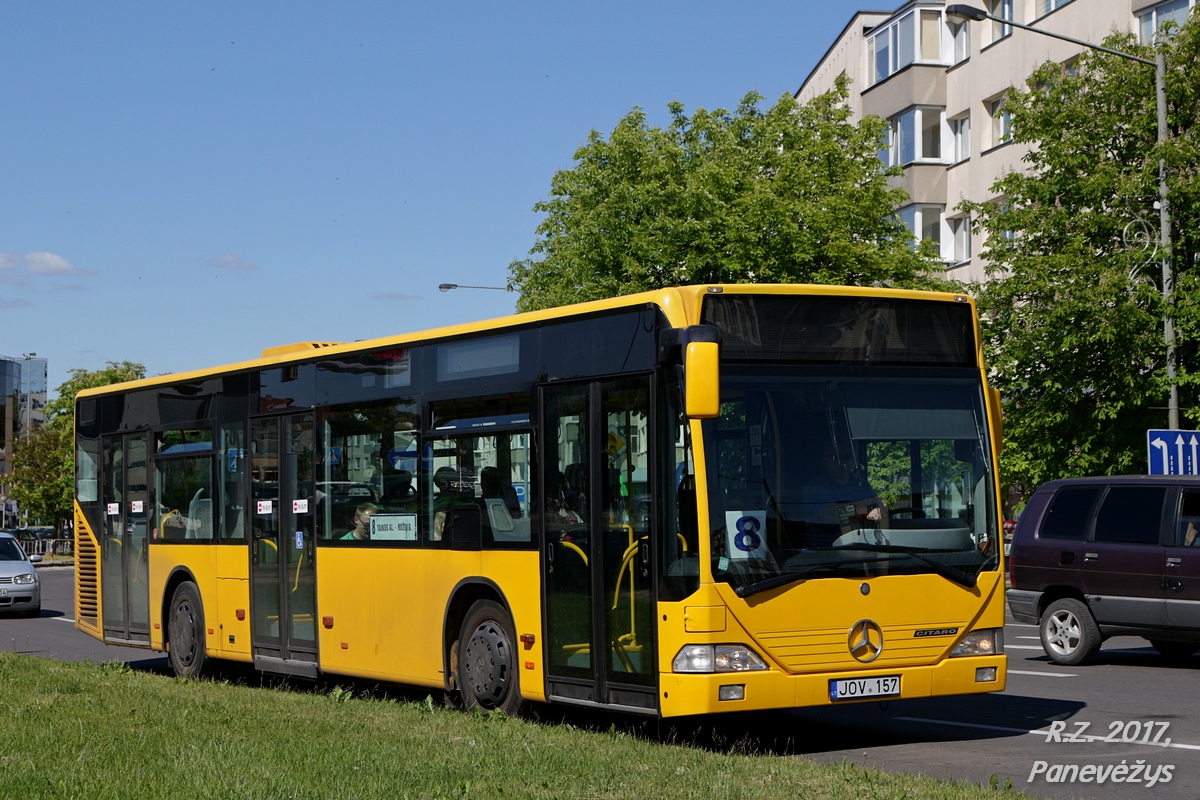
x: 1044, y: 674
x: 64, y: 619
x: 1044, y: 732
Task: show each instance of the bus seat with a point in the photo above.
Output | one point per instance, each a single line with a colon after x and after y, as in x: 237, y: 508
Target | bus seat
x: 200, y: 517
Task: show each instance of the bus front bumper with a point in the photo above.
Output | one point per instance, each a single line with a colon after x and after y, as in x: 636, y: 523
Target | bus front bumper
x: 684, y: 694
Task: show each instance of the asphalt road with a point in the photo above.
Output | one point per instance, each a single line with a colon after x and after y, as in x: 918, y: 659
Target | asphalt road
x: 1049, y: 718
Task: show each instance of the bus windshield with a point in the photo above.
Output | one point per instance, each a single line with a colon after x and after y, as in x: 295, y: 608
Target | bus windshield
x: 817, y: 472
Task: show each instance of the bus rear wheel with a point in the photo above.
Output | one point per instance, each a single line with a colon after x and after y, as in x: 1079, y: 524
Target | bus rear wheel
x: 185, y: 627
x: 487, y: 661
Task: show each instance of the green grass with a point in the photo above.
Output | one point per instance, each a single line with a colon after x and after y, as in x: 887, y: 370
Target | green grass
x: 99, y: 731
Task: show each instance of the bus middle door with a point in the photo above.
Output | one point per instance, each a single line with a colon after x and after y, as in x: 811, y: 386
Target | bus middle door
x: 598, y: 520
x: 282, y: 553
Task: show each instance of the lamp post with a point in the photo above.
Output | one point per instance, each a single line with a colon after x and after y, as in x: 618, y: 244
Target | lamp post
x: 964, y: 12
x: 445, y: 287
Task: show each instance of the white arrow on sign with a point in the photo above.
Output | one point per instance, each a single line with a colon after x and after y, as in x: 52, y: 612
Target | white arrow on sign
x: 1193, y: 443
x: 1161, y: 445
x: 1179, y: 452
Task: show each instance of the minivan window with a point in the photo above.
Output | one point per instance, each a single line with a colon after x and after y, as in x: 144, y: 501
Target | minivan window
x: 1188, y: 532
x: 1131, y: 514
x: 1067, y: 516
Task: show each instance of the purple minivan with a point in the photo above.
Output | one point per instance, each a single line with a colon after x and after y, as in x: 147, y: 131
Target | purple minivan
x: 1098, y: 557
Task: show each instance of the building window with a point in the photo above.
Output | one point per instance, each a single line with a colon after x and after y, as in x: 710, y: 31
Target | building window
x: 931, y: 36
x: 1001, y: 122
x: 925, y: 222
x: 1044, y: 7
x: 960, y: 41
x: 908, y: 39
x: 915, y: 135
x: 931, y: 135
x: 960, y: 240
x: 960, y: 134
x: 1150, y: 20
x: 1003, y: 10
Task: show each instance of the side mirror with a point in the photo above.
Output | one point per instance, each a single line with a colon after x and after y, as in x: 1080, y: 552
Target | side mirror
x: 35, y: 559
x: 702, y: 372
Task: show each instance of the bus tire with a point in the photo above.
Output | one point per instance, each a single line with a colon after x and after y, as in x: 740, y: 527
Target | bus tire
x: 1069, y: 632
x: 185, y: 629
x: 488, y: 662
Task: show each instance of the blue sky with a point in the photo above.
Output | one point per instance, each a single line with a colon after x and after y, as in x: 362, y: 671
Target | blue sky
x: 184, y: 184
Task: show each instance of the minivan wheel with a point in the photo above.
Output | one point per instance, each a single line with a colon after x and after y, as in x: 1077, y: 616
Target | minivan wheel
x: 1175, y: 649
x: 1070, y: 635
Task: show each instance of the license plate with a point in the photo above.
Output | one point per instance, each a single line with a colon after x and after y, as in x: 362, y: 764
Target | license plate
x: 854, y: 688
x: 3, y: 592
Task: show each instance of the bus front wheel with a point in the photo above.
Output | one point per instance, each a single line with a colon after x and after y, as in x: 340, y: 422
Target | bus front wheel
x: 487, y: 661
x: 185, y: 627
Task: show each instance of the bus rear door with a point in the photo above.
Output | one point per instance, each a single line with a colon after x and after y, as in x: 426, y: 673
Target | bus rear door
x: 124, y: 560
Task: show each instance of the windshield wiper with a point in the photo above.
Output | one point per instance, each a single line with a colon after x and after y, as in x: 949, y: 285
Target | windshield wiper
x: 945, y: 570
x: 775, y: 581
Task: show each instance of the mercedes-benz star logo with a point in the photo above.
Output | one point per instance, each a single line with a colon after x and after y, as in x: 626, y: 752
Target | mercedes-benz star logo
x: 865, y: 640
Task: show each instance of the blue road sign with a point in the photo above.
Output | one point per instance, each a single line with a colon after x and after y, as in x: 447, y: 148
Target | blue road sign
x: 1173, y: 452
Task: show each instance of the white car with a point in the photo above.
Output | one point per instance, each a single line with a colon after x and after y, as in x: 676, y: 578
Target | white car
x: 20, y: 587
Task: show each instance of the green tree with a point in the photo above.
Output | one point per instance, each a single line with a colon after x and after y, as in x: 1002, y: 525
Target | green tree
x: 41, y: 481
x: 795, y: 193
x: 43, y: 475
x: 1073, y: 314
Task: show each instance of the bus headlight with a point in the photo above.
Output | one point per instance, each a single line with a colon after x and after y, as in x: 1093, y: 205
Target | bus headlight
x: 983, y: 642
x: 717, y: 658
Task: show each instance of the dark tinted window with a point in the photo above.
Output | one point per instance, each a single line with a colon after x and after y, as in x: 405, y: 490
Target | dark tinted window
x: 1131, y: 514
x: 1067, y: 516
x: 848, y: 330
x: 1187, y: 532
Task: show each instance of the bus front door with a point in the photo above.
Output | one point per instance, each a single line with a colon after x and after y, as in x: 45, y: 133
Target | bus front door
x: 124, y: 560
x: 599, y: 519
x: 282, y: 567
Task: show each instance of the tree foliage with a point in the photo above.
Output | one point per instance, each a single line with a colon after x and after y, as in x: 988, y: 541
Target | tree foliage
x: 1073, y: 314
x: 43, y: 476
x: 42, y: 480
x: 795, y: 193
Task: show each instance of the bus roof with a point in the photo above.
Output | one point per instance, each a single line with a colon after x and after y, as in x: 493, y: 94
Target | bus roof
x: 681, y: 306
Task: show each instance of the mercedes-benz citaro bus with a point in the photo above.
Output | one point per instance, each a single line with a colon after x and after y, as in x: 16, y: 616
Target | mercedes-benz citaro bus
x: 692, y: 500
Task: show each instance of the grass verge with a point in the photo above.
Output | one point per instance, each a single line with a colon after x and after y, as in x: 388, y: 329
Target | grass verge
x: 101, y: 731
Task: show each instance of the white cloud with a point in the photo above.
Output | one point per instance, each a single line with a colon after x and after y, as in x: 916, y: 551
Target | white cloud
x: 231, y: 261
x: 392, y: 296
x: 42, y: 263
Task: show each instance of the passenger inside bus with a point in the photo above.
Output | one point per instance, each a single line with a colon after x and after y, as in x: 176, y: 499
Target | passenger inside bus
x: 362, y: 523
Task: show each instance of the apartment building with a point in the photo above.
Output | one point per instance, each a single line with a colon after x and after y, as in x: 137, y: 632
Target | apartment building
x: 940, y: 83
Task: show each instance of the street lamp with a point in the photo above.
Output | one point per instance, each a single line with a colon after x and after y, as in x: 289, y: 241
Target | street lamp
x: 960, y: 13
x: 445, y: 287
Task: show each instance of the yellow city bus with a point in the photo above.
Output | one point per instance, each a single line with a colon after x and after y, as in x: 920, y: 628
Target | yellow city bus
x: 693, y: 500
